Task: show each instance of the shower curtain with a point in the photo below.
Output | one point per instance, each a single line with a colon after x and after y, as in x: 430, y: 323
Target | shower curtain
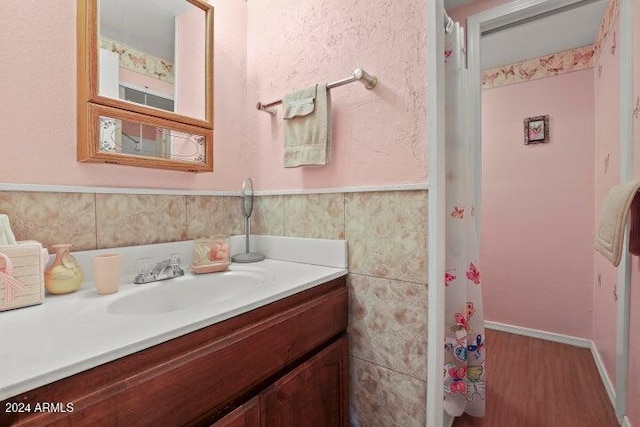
x: 464, y: 346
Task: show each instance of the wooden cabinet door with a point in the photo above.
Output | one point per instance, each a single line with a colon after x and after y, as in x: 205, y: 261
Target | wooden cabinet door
x: 247, y: 415
x: 315, y: 394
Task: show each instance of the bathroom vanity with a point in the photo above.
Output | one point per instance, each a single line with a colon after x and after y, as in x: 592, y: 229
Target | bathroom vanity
x: 275, y: 355
x: 285, y: 364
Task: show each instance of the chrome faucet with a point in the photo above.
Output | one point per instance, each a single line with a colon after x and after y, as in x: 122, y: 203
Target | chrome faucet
x: 167, y: 269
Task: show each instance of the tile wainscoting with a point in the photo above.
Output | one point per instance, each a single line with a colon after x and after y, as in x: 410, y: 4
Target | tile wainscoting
x: 386, y: 232
x: 97, y: 221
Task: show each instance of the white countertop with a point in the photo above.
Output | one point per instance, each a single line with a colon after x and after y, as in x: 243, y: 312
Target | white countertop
x: 75, y: 332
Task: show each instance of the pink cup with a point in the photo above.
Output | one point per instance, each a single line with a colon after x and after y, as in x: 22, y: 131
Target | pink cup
x: 106, y: 273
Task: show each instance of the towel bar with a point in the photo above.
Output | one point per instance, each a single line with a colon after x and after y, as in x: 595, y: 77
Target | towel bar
x: 359, y: 75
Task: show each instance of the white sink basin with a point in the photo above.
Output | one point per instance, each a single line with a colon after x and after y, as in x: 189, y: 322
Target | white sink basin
x: 187, y: 291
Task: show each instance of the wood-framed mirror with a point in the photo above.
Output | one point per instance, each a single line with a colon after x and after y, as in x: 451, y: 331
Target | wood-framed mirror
x: 145, y: 83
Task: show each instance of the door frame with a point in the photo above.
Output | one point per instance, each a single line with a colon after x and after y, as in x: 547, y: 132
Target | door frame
x: 490, y: 19
x: 623, y: 280
x: 435, y: 211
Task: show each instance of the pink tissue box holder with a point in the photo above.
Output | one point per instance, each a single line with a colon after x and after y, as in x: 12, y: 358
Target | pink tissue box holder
x: 27, y: 260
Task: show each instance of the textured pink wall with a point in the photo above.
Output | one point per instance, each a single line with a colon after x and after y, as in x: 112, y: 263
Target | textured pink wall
x: 607, y: 174
x: 379, y: 135
x: 537, y: 201
x: 38, y: 115
x: 634, y: 356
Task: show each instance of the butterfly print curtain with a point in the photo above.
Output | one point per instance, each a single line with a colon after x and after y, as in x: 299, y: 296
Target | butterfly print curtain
x: 464, y: 346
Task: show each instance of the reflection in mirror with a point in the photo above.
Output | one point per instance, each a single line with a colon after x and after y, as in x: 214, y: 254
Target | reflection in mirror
x: 135, y: 138
x: 153, y: 53
x: 247, y: 197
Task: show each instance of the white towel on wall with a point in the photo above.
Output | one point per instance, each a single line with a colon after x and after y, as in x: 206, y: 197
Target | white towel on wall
x: 613, y: 220
x: 307, y: 127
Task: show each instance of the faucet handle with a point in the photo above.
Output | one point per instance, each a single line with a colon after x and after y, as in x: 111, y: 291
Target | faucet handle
x: 144, y: 267
x: 176, y: 260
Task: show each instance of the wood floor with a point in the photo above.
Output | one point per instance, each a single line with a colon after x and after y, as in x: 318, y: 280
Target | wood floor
x: 539, y: 383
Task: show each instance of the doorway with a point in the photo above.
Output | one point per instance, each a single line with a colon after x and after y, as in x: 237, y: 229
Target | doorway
x: 499, y: 17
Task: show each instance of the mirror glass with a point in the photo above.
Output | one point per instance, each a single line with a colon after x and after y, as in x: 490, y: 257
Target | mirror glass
x: 135, y: 138
x: 153, y: 53
x: 247, y: 197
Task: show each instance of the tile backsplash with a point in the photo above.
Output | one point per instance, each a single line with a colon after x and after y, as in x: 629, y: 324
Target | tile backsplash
x: 135, y: 219
x: 208, y: 215
x: 97, y: 221
x: 387, y: 234
x: 319, y: 216
x: 52, y: 218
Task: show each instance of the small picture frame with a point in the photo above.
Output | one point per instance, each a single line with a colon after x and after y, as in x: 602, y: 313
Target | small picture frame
x: 536, y: 130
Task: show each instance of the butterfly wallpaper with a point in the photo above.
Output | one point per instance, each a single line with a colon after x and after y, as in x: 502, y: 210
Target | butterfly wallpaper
x: 537, y: 68
x: 140, y: 62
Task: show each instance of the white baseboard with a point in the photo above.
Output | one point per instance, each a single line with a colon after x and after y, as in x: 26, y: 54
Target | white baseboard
x: 608, y: 385
x: 536, y: 333
x: 563, y: 339
x: 625, y: 422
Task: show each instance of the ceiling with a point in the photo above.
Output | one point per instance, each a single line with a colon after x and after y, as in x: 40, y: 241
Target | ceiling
x: 452, y: 4
x: 148, y: 25
x: 552, y: 33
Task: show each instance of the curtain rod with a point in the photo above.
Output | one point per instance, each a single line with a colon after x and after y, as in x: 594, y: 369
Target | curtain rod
x: 359, y: 75
x: 448, y: 22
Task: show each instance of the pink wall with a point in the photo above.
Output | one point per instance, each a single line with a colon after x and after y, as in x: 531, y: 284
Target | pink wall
x: 634, y: 355
x: 190, y: 65
x: 379, y: 135
x: 38, y: 115
x: 537, y: 205
x: 607, y: 132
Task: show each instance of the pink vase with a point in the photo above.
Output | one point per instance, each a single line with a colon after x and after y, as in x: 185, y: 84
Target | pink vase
x: 64, y: 274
